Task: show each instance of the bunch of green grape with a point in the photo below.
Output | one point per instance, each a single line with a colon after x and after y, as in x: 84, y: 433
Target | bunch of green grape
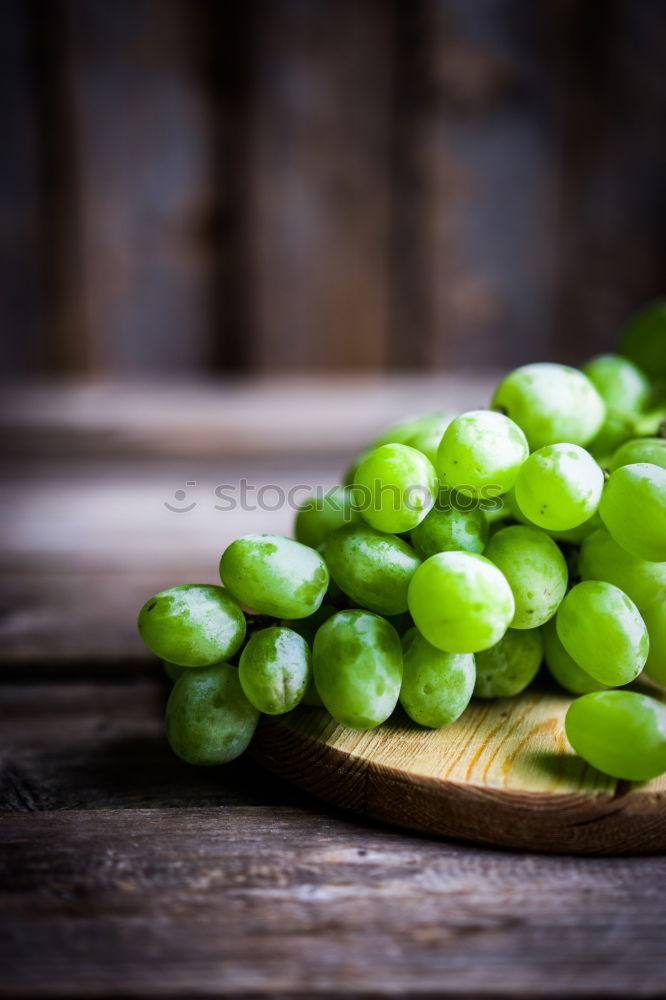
x: 460, y: 553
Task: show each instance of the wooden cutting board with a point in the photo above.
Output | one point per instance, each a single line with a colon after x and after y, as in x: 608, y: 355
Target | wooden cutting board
x: 503, y: 774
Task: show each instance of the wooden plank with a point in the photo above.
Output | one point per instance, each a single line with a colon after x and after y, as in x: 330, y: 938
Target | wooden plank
x: 243, y: 417
x: 242, y: 901
x: 318, y: 185
x: 101, y: 744
x: 147, y: 188
x: 475, y: 185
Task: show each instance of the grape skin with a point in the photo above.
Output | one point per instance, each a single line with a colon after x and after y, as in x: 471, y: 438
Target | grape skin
x: 655, y: 620
x: 651, y: 449
x: 644, y: 340
x: 460, y: 602
x: 621, y: 733
x: 446, y: 528
x: 192, y: 625
x: 564, y: 669
x: 357, y: 661
x: 436, y: 686
x: 601, y: 558
x: 510, y: 665
x: 275, y: 670
x: 481, y: 448
x: 633, y: 508
x: 535, y: 569
x: 372, y: 568
x: 275, y: 575
x: 619, y: 382
x: 559, y: 487
x: 395, y: 487
x: 603, y: 632
x: 208, y: 718
x: 319, y: 516
x: 551, y: 403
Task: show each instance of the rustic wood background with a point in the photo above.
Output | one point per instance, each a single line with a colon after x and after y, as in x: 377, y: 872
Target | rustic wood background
x: 327, y: 184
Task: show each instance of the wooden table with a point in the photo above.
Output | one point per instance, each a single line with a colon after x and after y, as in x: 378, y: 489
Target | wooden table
x: 126, y: 872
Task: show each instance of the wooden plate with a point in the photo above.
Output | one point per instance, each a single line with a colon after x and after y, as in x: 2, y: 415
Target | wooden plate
x: 502, y: 775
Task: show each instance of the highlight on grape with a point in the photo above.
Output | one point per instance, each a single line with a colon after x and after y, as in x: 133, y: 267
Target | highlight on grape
x: 459, y: 556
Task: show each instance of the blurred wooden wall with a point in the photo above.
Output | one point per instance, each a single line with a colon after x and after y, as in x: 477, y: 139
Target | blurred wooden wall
x: 191, y: 186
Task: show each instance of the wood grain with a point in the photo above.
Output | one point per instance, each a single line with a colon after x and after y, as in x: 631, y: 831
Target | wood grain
x: 257, y: 902
x: 503, y: 774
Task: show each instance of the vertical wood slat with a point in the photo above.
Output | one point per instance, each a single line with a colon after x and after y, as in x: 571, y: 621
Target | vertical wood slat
x: 612, y: 249
x: 20, y: 291
x: 319, y: 186
x: 143, y: 134
x: 474, y: 208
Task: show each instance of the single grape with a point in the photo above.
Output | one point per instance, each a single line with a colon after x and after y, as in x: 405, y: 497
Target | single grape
x: 480, y: 449
x: 644, y: 340
x: 617, y: 428
x: 208, y: 718
x: 406, y: 430
x: 357, y: 662
x: 621, y: 733
x: 318, y: 516
x: 602, y: 629
x: 601, y: 558
x: 426, y: 439
x: 551, y: 403
x: 619, y: 382
x: 460, y: 602
x: 564, y: 669
x: 655, y: 621
x: 651, y: 450
x: 559, y: 487
x: 193, y: 625
x: 633, y: 508
x: 275, y: 669
x: 395, y: 487
x: 535, y: 569
x: 447, y: 528
x: 275, y: 575
x: 372, y: 568
x: 436, y: 686
x: 510, y: 665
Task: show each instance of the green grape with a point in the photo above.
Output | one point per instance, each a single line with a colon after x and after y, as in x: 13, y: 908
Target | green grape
x: 655, y: 621
x: 426, y: 439
x: 460, y: 602
x: 208, y: 718
x: 173, y: 670
x: 318, y: 516
x: 644, y: 340
x: 559, y: 487
x: 535, y: 569
x: 395, y: 487
x: 275, y: 575
x: 601, y: 558
x: 601, y: 628
x: 551, y: 403
x: 357, y: 662
x: 275, y: 669
x: 447, y: 528
x: 436, y: 686
x: 621, y: 733
x: 406, y: 430
x: 564, y: 669
x: 481, y: 449
x: 619, y: 382
x: 510, y: 665
x: 633, y: 508
x: 617, y: 428
x: 651, y: 450
x: 193, y: 625
x: 372, y: 568
x: 307, y: 627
